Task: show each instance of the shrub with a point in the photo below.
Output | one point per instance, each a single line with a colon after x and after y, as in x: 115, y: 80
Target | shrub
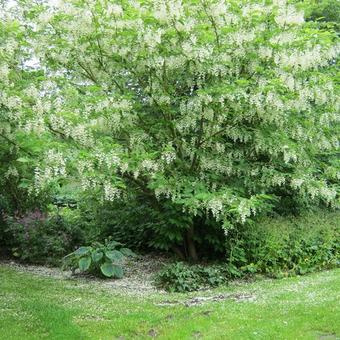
x: 140, y: 225
x: 181, y: 277
x: 128, y: 221
x: 40, y: 239
x: 276, y: 247
x: 99, y: 259
x: 286, y: 245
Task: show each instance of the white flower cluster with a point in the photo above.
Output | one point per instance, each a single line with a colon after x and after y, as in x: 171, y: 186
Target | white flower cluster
x: 322, y: 191
x: 89, y: 183
x: 249, y: 9
x: 11, y: 172
x: 84, y: 167
x: 265, y: 52
x: 289, y: 154
x: 215, y: 206
x: 115, y: 10
x: 164, y: 191
x: 170, y: 10
x: 32, y: 92
x: 289, y: 81
x: 12, y: 102
x: 244, y: 210
x: 56, y: 162
x: 168, y: 156
x: 297, y: 182
x: 216, y: 165
x: 283, y: 38
x: 79, y: 132
x: 110, y: 192
x: 55, y: 168
x: 149, y: 165
x: 313, y: 57
x: 110, y: 159
x: 274, y: 101
x: 4, y: 73
x: 241, y: 37
x: 288, y: 15
x: 193, y: 51
x: 9, y: 47
x: 278, y: 180
x: 123, y: 167
x: 218, y: 9
x: 45, y: 17
x: 151, y: 38
x: 36, y: 125
x: 326, y: 118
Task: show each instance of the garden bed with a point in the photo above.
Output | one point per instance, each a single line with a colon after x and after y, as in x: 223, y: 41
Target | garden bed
x: 138, y: 274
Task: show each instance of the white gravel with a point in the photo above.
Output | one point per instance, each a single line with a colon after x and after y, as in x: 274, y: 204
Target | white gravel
x: 138, y: 274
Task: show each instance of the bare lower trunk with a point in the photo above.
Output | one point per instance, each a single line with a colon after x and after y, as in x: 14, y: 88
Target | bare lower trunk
x: 191, y: 245
x: 178, y: 252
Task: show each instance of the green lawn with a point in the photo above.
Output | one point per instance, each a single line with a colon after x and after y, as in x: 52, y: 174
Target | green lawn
x: 36, y: 307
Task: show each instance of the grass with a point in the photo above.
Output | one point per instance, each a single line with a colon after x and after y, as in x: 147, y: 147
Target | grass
x: 37, y: 307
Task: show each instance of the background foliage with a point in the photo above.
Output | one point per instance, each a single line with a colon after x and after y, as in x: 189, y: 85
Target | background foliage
x: 276, y: 247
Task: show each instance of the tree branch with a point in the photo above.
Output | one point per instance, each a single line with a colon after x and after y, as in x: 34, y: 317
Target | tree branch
x: 15, y: 144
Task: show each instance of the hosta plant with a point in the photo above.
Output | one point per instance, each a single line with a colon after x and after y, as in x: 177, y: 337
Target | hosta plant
x: 99, y: 259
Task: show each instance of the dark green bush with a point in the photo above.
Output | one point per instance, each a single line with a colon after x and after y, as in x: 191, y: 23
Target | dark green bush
x: 140, y: 225
x: 182, y: 277
x: 324, y: 11
x: 284, y: 246
x: 41, y: 239
x: 275, y: 247
x: 128, y: 221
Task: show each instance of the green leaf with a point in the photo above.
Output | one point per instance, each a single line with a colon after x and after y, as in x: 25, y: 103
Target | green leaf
x: 118, y: 271
x: 114, y: 255
x: 127, y: 252
x: 113, y: 244
x: 23, y: 160
x: 84, y: 263
x: 107, y: 269
x: 82, y: 251
x: 97, y: 256
x: 24, y: 184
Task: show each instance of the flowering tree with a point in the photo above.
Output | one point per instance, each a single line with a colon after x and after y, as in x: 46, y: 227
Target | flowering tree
x: 215, y: 108
x: 17, y: 88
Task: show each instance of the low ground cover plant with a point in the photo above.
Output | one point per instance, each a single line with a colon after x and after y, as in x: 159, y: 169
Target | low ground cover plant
x: 99, y: 259
x: 183, y: 277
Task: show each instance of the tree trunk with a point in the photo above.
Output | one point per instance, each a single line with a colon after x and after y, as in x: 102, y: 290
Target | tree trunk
x: 178, y: 252
x: 191, y: 245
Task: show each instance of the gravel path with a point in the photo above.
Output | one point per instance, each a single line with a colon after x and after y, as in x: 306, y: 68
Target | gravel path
x: 138, y: 274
